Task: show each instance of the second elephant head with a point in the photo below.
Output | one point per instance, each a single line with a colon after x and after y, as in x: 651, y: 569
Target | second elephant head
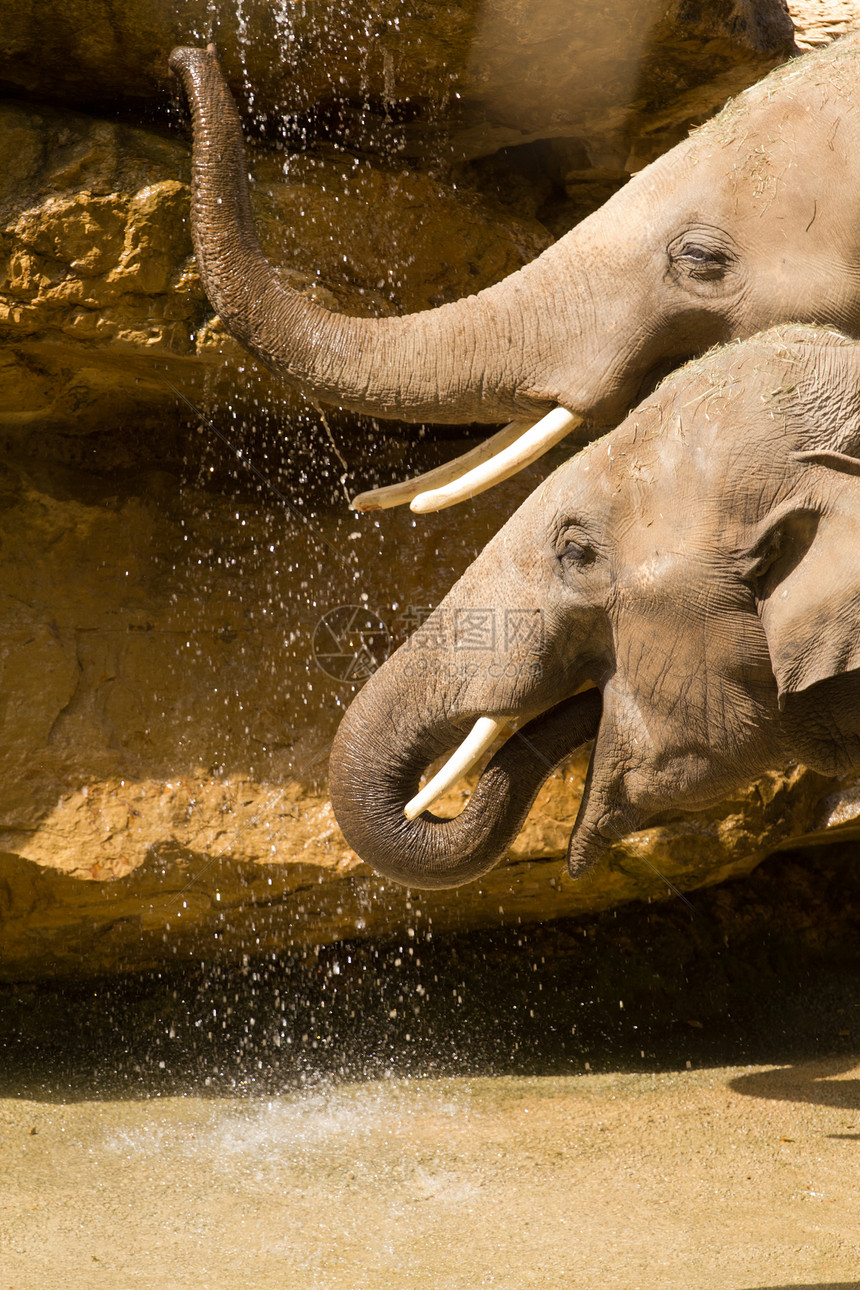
x: 686, y: 591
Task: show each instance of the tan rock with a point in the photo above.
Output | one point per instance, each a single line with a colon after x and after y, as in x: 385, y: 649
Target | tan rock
x: 491, y: 75
x: 818, y: 22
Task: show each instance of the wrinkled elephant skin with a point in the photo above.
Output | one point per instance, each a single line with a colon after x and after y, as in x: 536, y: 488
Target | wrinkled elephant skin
x: 751, y: 222
x: 697, y: 568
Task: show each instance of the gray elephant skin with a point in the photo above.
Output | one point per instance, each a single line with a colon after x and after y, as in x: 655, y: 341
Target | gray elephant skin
x: 751, y: 222
x: 684, y: 591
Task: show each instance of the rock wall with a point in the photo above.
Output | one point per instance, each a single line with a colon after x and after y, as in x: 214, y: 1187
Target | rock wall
x: 489, y: 73
x: 175, y: 530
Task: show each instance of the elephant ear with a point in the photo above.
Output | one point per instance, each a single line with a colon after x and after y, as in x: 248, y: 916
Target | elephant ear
x: 808, y: 582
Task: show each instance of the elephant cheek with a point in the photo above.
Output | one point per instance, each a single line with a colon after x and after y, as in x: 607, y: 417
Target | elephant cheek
x: 631, y: 778
x: 607, y: 811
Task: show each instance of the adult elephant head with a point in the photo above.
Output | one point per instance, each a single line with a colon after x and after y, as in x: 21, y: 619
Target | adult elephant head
x: 750, y: 222
x: 686, y: 591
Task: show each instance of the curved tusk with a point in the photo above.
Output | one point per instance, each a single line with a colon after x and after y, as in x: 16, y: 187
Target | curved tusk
x: 530, y: 445
x: 483, y: 734
x: 379, y: 499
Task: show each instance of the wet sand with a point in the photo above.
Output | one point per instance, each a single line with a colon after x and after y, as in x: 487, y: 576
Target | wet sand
x: 715, y: 1178
x: 662, y: 1097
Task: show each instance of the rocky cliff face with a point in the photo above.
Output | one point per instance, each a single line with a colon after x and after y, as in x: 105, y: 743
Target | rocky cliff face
x: 176, y: 545
x: 484, y: 73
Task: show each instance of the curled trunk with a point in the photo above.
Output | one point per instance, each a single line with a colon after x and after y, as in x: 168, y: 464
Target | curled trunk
x: 375, y: 770
x: 460, y: 362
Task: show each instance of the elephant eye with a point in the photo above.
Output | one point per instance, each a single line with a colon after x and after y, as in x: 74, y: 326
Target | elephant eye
x: 701, y: 263
x: 574, y: 549
x: 700, y: 257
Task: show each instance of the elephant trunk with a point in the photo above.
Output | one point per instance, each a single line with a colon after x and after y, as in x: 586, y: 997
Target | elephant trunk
x: 375, y: 770
x: 453, y: 364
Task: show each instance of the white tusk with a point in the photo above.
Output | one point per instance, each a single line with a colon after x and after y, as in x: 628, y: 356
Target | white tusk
x: 530, y: 445
x: 484, y: 732
x: 379, y: 499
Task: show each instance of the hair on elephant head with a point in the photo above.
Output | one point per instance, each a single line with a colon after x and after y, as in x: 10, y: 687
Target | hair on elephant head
x: 685, y: 591
x: 749, y: 223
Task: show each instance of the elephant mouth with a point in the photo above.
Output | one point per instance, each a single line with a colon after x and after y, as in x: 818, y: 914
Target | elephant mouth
x: 489, y: 730
x: 378, y: 757
x: 526, y: 759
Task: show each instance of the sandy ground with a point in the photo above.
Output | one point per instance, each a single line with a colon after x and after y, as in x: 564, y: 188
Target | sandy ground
x: 719, y: 1179
x: 660, y: 1097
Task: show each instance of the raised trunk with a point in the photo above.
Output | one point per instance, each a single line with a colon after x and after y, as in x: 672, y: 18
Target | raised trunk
x: 374, y: 771
x: 461, y: 362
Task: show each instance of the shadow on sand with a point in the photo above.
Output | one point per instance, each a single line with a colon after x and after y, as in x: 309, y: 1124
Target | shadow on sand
x: 753, y: 973
x: 815, y: 1082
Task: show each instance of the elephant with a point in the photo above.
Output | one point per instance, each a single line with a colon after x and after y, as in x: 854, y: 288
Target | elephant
x: 685, y: 591
x: 750, y: 222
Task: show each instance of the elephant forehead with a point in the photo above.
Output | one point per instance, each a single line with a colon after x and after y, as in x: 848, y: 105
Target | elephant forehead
x: 688, y: 492
x: 736, y: 411
x: 610, y: 485
x: 790, y: 120
x: 709, y: 449
x: 764, y: 159
x: 580, y: 490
